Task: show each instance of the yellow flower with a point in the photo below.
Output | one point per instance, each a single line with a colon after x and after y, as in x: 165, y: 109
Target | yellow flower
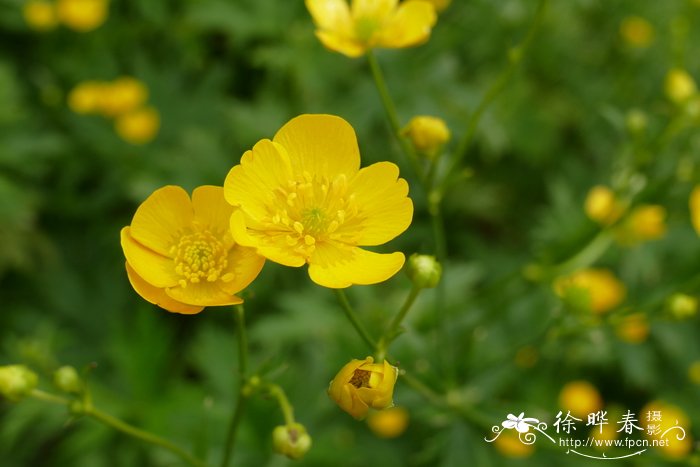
x: 82, y: 15
x: 40, y: 15
x: 682, y: 306
x: 362, y: 384
x: 602, y: 206
x: 510, y: 445
x: 601, y: 289
x: 646, y: 222
x: 303, y: 199
x: 353, y: 30
x: 180, y: 254
x: 580, y: 398
x: 440, y: 5
x: 633, y: 328
x: 139, y: 126
x: 680, y: 86
x: 428, y: 134
x: 16, y: 381
x: 388, y: 423
x: 122, y: 95
x: 694, y: 203
x: 637, y: 31
x: 671, y: 415
x: 86, y: 97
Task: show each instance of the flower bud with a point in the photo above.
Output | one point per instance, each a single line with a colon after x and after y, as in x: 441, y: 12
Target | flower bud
x: 633, y: 329
x: 637, y: 31
x: 82, y: 15
x: 427, y: 134
x: 602, y: 206
x: 388, y: 423
x: 67, y: 380
x: 291, y: 440
x: 138, y: 127
x: 580, y: 398
x: 680, y: 86
x: 424, y: 271
x: 16, y: 381
x: 646, y: 222
x: 682, y: 306
x: 362, y: 384
x: 597, y: 290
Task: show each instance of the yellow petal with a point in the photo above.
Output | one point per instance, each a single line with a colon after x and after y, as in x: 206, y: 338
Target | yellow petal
x: 158, y: 296
x: 272, y: 246
x: 245, y: 265
x: 203, y: 294
x: 410, y: 25
x: 331, y: 15
x: 343, y: 44
x: 340, y: 266
x: 383, y: 203
x: 251, y: 183
x: 160, y: 219
x: 156, y: 269
x: 211, y: 209
x: 344, y: 376
x: 320, y: 145
x: 374, y: 9
x: 695, y: 208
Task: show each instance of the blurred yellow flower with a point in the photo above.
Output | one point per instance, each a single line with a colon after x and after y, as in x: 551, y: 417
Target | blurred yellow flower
x: 304, y: 200
x: 602, y: 206
x: 366, y: 24
x: 440, y: 5
x: 180, y: 254
x: 82, y: 15
x: 509, y: 444
x: 670, y: 415
x: 139, y: 126
x: 122, y: 95
x: 602, y: 290
x: 16, y: 382
x: 40, y: 15
x: 388, y: 423
x: 580, y: 398
x: 427, y: 134
x: 362, y: 384
x: 694, y: 203
x: 679, y: 86
x: 633, y: 328
x: 86, y: 97
x: 646, y: 222
x: 682, y: 306
x: 637, y: 31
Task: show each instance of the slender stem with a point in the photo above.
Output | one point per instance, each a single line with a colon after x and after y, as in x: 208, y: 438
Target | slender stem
x: 142, y: 435
x: 390, y: 334
x: 515, y: 56
x: 286, y: 408
x: 48, y: 397
x: 354, y: 320
x: 393, y: 118
x: 586, y: 256
x: 242, y: 395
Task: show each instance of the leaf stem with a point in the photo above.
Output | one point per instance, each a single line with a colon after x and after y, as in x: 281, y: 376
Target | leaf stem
x: 354, y: 320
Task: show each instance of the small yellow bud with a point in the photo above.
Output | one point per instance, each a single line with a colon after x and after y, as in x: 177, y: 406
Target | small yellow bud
x: 598, y: 289
x: 427, y: 134
x: 646, y: 222
x: 16, y: 381
x: 637, y: 31
x: 424, y: 271
x: 388, y: 423
x: 682, y: 306
x: 580, y: 398
x: 122, y: 96
x: 362, y: 384
x: 138, y: 127
x: 602, y: 206
x: 67, y: 380
x: 40, y: 15
x: 633, y: 329
x: 86, y: 97
x: 680, y: 86
x: 291, y: 440
x: 82, y: 15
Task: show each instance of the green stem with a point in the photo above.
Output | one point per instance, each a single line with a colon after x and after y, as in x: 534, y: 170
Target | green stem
x: 242, y: 396
x: 354, y: 320
x: 587, y: 256
x: 392, y: 331
x: 515, y: 56
x: 48, y: 397
x: 287, y: 410
x: 393, y: 118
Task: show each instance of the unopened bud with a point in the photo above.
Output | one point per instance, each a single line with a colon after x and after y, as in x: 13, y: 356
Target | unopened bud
x: 427, y: 134
x: 16, y: 381
x: 291, y: 440
x: 682, y: 306
x: 67, y: 380
x: 680, y: 86
x: 424, y: 271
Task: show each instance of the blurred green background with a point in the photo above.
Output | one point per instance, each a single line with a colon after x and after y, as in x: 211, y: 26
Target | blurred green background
x: 224, y: 74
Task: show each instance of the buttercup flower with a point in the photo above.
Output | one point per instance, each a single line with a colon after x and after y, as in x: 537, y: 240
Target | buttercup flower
x: 633, y: 328
x: 427, y: 134
x: 602, y: 206
x: 637, y: 31
x: 40, y: 15
x: 180, y: 254
x: 304, y: 200
x: 601, y: 289
x: 580, y: 398
x: 82, y: 15
x: 680, y: 86
x: 646, y: 222
x: 139, y: 126
x: 388, y: 423
x: 362, y: 384
x: 122, y: 95
x: 366, y: 24
x: 86, y: 97
x: 670, y: 416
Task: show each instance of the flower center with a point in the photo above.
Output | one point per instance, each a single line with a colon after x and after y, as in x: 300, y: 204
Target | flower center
x: 365, y: 28
x: 200, y: 256
x: 312, y: 210
x: 360, y: 379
